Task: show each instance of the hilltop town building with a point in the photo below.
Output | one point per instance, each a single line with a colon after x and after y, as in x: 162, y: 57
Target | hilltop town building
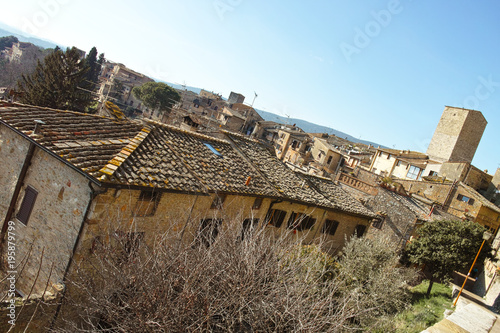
x: 70, y: 179
x: 235, y: 98
x: 457, y: 135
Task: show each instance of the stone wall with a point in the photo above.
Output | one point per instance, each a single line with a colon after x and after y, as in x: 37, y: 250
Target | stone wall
x: 457, y: 135
x: 13, y: 149
x: 177, y: 212
x: 57, y: 214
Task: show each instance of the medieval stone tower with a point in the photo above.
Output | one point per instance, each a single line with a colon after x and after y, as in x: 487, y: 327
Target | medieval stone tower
x: 457, y: 135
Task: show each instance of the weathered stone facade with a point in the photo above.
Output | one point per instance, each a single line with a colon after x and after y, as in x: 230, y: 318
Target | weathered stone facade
x: 457, y: 135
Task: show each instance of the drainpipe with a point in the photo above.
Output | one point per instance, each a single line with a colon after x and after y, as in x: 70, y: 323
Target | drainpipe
x: 271, y: 206
x: 93, y: 195
x: 15, y: 195
x: 449, y: 194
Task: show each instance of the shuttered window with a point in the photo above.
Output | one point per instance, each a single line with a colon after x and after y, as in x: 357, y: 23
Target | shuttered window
x: 27, y: 205
x: 330, y: 227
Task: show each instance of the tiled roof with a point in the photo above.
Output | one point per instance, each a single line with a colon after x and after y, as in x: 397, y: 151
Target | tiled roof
x: 87, y: 141
x: 337, y: 196
x: 286, y: 181
x: 174, y: 159
x: 161, y: 156
x: 479, y: 197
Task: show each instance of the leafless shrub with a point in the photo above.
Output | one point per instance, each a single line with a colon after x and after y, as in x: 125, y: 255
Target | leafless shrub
x: 235, y: 282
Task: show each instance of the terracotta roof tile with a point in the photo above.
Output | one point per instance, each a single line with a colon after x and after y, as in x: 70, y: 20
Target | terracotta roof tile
x: 285, y: 180
x: 339, y: 198
x: 174, y: 159
x: 87, y: 141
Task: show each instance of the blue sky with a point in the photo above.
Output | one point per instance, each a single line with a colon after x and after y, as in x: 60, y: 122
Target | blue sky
x: 378, y: 70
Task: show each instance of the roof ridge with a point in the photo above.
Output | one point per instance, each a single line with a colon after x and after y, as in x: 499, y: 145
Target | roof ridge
x: 109, y: 169
x: 180, y: 130
x: 16, y: 104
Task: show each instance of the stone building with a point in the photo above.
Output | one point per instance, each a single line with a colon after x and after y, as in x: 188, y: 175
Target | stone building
x: 457, y: 135
x: 235, y: 98
x: 449, y: 154
x: 398, y: 216
x: 458, y: 199
x: 70, y: 180
x: 403, y: 164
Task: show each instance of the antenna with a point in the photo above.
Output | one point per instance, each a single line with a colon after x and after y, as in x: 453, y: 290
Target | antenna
x: 254, y: 98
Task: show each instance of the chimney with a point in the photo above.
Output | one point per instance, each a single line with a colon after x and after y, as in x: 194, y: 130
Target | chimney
x: 38, y: 126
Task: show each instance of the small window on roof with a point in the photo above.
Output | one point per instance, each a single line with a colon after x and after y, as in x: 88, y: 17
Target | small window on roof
x: 215, y: 151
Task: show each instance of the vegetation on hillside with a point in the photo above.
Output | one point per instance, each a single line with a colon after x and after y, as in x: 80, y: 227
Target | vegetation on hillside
x: 11, y: 72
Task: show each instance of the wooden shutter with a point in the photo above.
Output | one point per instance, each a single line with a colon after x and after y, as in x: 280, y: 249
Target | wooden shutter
x: 24, y: 213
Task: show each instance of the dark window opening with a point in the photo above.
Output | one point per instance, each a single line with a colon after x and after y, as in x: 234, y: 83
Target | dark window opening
x: 300, y: 221
x: 329, y: 160
x: 218, y: 201
x: 249, y: 226
x: 209, y: 229
x: 330, y: 227
x: 26, y: 208
x: 147, y: 203
x: 360, y: 230
x: 130, y: 241
x: 257, y: 203
x: 276, y: 217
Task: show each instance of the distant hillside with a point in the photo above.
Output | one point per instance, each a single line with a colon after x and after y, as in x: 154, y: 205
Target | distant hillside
x: 178, y: 86
x: 5, y: 30
x: 310, y: 127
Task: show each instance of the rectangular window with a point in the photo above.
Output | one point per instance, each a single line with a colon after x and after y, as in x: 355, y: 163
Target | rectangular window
x: 218, y: 201
x: 413, y: 172
x: 209, y: 229
x: 330, y: 227
x: 249, y: 225
x: 360, y: 230
x: 300, y: 221
x: 463, y: 198
x: 147, y: 203
x: 275, y: 217
x: 257, y: 203
x: 26, y: 208
x: 130, y: 241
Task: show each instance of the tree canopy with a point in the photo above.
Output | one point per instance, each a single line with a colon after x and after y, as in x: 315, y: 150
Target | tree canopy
x: 447, y: 246
x: 157, y: 95
x: 59, y: 82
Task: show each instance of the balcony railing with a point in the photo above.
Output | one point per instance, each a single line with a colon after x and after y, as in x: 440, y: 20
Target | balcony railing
x: 357, y: 184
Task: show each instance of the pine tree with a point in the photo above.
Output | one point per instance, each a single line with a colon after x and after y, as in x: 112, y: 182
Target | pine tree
x: 58, y: 82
